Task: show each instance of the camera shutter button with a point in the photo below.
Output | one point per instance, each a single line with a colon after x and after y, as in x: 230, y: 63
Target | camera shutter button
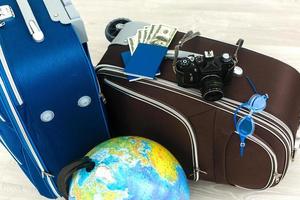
x: 226, y: 57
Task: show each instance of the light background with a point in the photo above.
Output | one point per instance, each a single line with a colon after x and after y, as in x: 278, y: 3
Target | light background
x: 271, y: 27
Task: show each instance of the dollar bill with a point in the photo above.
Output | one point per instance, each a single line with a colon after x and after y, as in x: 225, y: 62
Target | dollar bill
x: 151, y: 31
x: 133, y: 43
x: 141, y: 35
x: 145, y: 31
x: 155, y: 34
x: 162, y: 36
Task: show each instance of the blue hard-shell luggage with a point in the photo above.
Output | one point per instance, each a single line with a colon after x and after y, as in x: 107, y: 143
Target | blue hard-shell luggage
x: 51, y: 110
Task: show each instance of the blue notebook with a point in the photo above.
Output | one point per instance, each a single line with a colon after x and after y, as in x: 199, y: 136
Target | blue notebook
x: 145, y: 62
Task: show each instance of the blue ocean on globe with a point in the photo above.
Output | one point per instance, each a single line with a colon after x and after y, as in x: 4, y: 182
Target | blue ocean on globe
x: 130, y: 168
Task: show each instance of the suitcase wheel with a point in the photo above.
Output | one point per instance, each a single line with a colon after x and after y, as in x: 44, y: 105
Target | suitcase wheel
x: 114, y: 27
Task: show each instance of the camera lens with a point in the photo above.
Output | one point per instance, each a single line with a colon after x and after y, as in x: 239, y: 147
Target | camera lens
x: 212, y: 89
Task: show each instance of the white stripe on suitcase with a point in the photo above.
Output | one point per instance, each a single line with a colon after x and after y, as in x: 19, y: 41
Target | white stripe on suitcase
x: 26, y: 139
x: 274, y: 164
x: 288, y: 147
x: 175, y: 114
x: 9, y: 77
x: 193, y: 92
x: 2, y: 119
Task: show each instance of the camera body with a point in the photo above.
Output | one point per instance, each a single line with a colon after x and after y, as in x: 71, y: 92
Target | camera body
x: 207, y: 72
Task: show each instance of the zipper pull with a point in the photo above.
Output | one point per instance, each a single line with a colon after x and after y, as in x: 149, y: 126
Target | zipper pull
x: 46, y: 174
x: 277, y: 177
x: 30, y: 20
x: 201, y: 171
x: 294, y: 152
x: 103, y: 98
x: 296, y: 147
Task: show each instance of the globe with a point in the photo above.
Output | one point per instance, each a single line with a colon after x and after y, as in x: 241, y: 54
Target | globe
x: 130, y: 168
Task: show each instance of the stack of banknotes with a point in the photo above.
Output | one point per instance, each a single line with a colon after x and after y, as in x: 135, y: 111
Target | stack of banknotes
x: 153, y: 34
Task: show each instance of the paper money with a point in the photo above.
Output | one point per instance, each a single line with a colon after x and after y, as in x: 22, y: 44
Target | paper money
x: 133, y: 43
x: 146, y: 31
x: 163, y: 36
x: 154, y: 34
x: 141, y: 35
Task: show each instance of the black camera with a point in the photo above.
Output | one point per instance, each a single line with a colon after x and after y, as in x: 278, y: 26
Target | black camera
x: 206, y: 72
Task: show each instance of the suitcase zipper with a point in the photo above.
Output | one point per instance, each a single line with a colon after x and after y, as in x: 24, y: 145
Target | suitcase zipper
x: 264, y: 121
x: 283, y: 128
x: 260, y: 116
x: 287, y: 150
x: 27, y: 140
x: 119, y: 70
x: 170, y: 111
x: 274, y: 176
x: 191, y: 91
x: 11, y: 153
x: 157, y: 104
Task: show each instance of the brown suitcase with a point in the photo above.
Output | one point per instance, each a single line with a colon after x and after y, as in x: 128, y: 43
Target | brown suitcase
x: 201, y: 134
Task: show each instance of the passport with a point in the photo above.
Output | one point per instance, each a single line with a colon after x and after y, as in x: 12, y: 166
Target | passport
x: 145, y: 61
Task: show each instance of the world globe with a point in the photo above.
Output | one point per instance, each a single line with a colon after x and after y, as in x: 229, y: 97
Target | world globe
x: 130, y: 168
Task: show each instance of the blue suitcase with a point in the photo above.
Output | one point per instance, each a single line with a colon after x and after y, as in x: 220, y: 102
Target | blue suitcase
x: 51, y: 110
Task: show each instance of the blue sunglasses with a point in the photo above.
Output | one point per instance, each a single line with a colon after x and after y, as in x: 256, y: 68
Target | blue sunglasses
x: 245, y: 126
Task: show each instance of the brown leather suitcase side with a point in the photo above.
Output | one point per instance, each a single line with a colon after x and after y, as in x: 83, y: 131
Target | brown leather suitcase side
x: 201, y: 134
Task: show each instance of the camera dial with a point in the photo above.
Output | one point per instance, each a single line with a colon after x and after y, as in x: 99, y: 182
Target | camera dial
x: 226, y: 57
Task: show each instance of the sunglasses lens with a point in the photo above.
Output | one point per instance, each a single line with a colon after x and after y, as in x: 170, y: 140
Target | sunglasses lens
x: 245, y: 126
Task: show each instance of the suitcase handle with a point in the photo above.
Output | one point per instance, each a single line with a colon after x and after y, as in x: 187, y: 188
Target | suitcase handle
x: 30, y: 20
x: 67, y: 172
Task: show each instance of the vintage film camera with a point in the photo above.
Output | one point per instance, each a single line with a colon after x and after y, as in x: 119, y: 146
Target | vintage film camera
x: 207, y: 72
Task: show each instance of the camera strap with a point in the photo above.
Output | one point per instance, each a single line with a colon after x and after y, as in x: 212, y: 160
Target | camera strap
x: 239, y: 44
x: 191, y: 35
x: 187, y: 37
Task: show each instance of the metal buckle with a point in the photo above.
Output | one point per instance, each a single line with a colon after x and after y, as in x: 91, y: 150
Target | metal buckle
x: 6, y: 13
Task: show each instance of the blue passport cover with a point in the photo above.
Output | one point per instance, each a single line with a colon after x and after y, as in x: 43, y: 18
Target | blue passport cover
x: 145, y: 62
x: 126, y: 56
